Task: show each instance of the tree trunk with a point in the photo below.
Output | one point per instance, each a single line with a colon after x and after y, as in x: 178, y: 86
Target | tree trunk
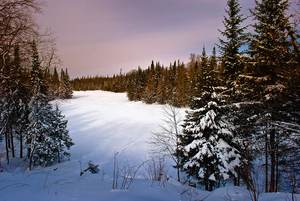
x: 178, y: 173
x: 31, y: 158
x: 266, y: 158
x: 273, y: 160
x: 58, y: 155
x: 12, y: 141
x: 6, y: 147
x: 206, y: 180
x: 239, y: 177
x: 8, y: 138
x: 21, y: 143
x: 277, y: 169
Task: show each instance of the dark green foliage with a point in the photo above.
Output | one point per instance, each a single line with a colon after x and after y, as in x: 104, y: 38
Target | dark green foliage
x: 235, y: 36
x: 65, y: 88
x: 54, y: 84
x: 92, y: 168
x: 26, y: 87
x: 46, y: 130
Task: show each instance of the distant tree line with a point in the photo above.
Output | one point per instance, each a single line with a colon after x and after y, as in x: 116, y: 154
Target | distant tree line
x: 244, y: 104
x: 28, y: 82
x: 175, y: 85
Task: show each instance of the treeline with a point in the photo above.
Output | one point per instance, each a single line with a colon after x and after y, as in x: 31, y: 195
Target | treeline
x: 117, y: 83
x: 28, y: 82
x: 175, y: 85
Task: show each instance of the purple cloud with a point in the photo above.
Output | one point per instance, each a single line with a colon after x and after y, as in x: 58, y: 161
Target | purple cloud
x: 100, y: 37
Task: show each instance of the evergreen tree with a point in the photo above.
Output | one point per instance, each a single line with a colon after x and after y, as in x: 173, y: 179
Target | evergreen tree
x: 274, y: 57
x: 55, y: 83
x: 132, y: 86
x: 46, y: 131
x: 232, y: 68
x: 65, y: 88
x: 149, y: 94
x: 232, y: 56
x: 209, y: 150
x: 213, y: 60
x: 14, y: 93
x: 60, y: 136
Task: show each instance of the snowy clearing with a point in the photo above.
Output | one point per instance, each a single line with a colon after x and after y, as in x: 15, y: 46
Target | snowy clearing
x: 104, y: 125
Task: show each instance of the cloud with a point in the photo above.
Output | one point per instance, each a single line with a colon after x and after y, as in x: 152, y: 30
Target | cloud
x: 100, y: 37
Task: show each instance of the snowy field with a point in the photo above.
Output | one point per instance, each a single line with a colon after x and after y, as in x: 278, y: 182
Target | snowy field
x: 104, y: 125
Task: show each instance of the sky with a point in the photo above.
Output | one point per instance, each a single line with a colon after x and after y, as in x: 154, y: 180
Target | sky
x: 100, y: 37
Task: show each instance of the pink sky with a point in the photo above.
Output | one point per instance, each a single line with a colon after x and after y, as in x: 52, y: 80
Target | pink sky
x: 103, y: 36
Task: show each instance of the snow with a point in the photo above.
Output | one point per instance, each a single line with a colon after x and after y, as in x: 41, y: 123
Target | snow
x: 104, y: 124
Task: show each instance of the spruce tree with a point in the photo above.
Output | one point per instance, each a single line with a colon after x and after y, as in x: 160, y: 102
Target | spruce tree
x: 55, y: 83
x: 270, y: 45
x: 39, y: 126
x: 60, y: 136
x: 46, y: 130
x: 232, y: 69
x: 209, y: 152
x: 274, y: 60
x: 235, y: 36
x: 65, y: 88
x: 230, y: 49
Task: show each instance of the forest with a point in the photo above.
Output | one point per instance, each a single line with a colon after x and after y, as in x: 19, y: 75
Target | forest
x: 244, y: 101
x: 29, y: 81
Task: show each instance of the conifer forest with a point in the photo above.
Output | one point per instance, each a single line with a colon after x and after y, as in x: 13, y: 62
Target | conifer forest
x: 29, y: 81
x: 243, y: 96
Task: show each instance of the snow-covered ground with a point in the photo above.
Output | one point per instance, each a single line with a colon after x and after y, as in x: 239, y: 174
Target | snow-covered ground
x: 104, y: 125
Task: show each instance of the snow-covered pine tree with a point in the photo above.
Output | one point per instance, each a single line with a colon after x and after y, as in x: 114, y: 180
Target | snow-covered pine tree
x: 60, y: 136
x: 209, y: 151
x: 47, y: 136
x: 14, y: 91
x: 232, y: 68
x: 65, y: 88
x: 39, y: 131
x: 46, y: 132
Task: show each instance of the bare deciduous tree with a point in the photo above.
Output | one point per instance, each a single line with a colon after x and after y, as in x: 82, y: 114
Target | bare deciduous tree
x: 166, y: 141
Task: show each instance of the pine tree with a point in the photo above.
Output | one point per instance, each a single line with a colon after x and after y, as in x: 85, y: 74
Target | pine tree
x: 232, y: 56
x: 274, y: 60
x: 55, y: 83
x: 14, y: 92
x: 270, y: 45
x: 149, y: 94
x: 46, y: 131
x: 60, y: 136
x: 132, y: 86
x: 236, y: 38
x: 209, y: 151
x: 232, y: 68
x: 65, y: 88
